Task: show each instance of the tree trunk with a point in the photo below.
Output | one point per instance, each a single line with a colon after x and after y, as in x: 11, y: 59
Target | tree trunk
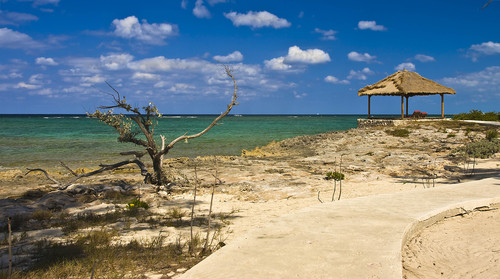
x: 158, y: 177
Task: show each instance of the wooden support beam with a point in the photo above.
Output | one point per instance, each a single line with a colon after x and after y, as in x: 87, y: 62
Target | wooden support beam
x: 442, y: 105
x: 402, y: 107
x: 407, y: 106
x: 369, y: 97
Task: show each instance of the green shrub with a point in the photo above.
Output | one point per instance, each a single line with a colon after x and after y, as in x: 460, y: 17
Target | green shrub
x: 426, y: 140
x: 478, y: 115
x: 399, y: 132
x: 451, y: 135
x: 480, y: 149
x: 335, y: 175
x: 137, y: 203
x: 491, y: 134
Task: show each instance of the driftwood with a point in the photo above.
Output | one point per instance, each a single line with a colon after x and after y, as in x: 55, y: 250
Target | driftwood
x: 63, y: 186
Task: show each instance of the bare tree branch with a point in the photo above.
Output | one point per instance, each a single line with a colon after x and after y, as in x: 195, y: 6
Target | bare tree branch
x: 486, y: 5
x: 216, y: 120
x: 70, y: 170
x: 46, y: 174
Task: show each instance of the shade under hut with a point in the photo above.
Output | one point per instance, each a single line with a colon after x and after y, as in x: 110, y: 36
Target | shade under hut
x: 405, y: 84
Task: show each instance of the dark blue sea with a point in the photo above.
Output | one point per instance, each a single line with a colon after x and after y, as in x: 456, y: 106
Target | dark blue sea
x: 44, y: 140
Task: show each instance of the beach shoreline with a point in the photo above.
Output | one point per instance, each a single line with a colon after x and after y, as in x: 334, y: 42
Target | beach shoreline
x: 280, y: 177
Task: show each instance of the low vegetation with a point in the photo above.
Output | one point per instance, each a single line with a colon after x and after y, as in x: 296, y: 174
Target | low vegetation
x: 478, y: 115
x: 398, y: 132
x: 479, y: 149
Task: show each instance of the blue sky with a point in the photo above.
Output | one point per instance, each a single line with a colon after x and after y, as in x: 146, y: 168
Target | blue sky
x: 288, y: 57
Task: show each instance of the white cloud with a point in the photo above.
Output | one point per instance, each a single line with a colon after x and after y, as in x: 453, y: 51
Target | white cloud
x: 277, y: 64
x: 299, y: 95
x: 332, y: 79
x: 213, y: 2
x: 372, y: 25
x: 184, y: 4
x: 487, y: 48
x: 116, y: 61
x: 145, y: 76
x: 200, y: 11
x: 11, y: 75
x: 308, y: 56
x: 13, y: 39
x: 407, y: 65
x: 487, y: 79
x: 154, y: 34
x: 13, y: 18
x: 257, y: 20
x: 232, y: 57
x: 181, y: 87
x: 47, y: 61
x: 327, y: 34
x: 89, y: 81
x: 361, y: 75
x: 424, y: 58
x: 160, y: 63
x: 22, y: 85
x: 44, y: 2
x: 361, y: 57
x: 36, y: 79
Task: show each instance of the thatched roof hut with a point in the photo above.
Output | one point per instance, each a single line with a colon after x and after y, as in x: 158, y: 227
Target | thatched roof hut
x: 405, y: 84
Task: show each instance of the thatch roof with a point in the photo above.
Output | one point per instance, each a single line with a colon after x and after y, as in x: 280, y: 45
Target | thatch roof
x: 405, y: 83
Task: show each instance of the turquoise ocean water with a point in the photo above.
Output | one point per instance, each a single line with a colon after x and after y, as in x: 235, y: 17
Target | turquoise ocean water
x: 44, y: 140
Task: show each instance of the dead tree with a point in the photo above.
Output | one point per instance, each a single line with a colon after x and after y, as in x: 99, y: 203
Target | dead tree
x: 145, y: 120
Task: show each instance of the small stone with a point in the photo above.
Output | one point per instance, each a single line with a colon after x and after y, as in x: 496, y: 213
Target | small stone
x: 181, y: 270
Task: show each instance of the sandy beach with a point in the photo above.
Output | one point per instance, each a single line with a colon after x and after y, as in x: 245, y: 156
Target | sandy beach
x: 270, y: 181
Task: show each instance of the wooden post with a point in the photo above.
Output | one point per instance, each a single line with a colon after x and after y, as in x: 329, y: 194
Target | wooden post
x: 369, y: 96
x: 407, y: 106
x: 442, y: 105
x: 402, y: 107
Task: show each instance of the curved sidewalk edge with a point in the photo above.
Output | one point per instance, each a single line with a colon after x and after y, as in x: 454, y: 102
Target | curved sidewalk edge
x: 353, y: 238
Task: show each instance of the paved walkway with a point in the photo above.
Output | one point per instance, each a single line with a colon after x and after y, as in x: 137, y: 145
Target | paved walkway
x: 486, y: 123
x: 352, y: 238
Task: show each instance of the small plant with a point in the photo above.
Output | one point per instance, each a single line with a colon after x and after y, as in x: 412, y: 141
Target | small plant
x: 399, y: 132
x: 491, y: 134
x: 41, y: 215
x: 480, y: 149
x: 451, y: 135
x: 334, y: 175
x: 425, y: 140
x: 137, y: 203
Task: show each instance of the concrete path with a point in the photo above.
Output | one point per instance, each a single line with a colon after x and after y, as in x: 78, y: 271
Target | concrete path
x: 352, y: 238
x: 486, y: 123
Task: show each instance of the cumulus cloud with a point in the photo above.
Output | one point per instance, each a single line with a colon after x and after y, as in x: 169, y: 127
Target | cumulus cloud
x: 308, y: 56
x: 277, y: 64
x: 89, y: 81
x: 23, y: 85
x: 116, y: 61
x: 407, y: 65
x: 424, y: 58
x: 361, y: 75
x: 487, y: 48
x: 334, y: 80
x: 200, y: 10
x: 232, y: 57
x: 15, y: 40
x: 145, y: 76
x: 184, y: 4
x: 327, y: 34
x: 155, y: 34
x: 13, y: 18
x: 487, y: 79
x: 160, y: 63
x: 371, y: 25
x: 257, y: 20
x: 361, y: 57
x: 47, y: 61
